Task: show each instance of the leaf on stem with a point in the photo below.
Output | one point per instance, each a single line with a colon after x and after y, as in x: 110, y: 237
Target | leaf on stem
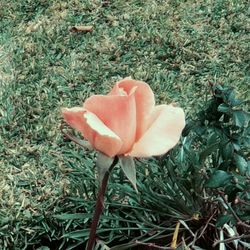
x: 241, y: 163
x: 103, y: 163
x: 241, y: 118
x: 128, y: 167
x: 218, y: 179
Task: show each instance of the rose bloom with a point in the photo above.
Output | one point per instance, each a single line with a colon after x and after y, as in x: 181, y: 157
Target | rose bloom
x: 127, y: 122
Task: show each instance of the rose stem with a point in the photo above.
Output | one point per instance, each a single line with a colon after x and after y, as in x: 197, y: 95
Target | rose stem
x: 99, y: 206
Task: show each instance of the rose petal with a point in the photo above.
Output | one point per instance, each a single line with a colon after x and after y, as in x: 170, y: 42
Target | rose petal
x: 103, y: 139
x: 167, y: 123
x: 93, y: 129
x: 118, y: 113
x: 117, y: 91
x: 74, y: 117
x: 144, y: 98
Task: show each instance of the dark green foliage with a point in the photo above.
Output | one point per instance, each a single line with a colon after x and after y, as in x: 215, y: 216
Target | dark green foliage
x: 223, y: 131
x: 222, y: 134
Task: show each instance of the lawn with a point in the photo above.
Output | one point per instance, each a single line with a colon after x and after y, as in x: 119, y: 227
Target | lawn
x: 47, y: 184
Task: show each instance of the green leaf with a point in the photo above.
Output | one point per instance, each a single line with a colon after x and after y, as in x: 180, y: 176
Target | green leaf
x: 213, y: 138
x: 218, y: 179
x: 236, y: 102
x: 209, y: 150
x: 241, y: 163
x: 224, y: 108
x: 128, y: 167
x: 233, y: 101
x: 103, y: 163
x: 66, y: 216
x: 222, y: 219
x: 246, y: 141
x: 227, y: 150
x: 241, y: 118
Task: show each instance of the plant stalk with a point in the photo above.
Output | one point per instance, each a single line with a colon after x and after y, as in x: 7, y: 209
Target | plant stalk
x: 99, y: 206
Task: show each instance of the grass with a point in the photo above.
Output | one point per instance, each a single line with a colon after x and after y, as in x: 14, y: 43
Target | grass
x: 175, y: 46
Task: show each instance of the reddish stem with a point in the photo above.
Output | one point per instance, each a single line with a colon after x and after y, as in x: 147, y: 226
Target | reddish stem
x: 99, y: 206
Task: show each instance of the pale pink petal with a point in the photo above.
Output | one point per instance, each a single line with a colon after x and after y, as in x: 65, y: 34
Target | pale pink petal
x: 167, y: 123
x: 117, y: 91
x: 118, y: 113
x: 93, y: 130
x: 74, y: 117
x: 100, y: 136
x: 144, y: 98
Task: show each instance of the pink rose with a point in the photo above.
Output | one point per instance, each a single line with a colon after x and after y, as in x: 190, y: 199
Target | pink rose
x: 127, y: 122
